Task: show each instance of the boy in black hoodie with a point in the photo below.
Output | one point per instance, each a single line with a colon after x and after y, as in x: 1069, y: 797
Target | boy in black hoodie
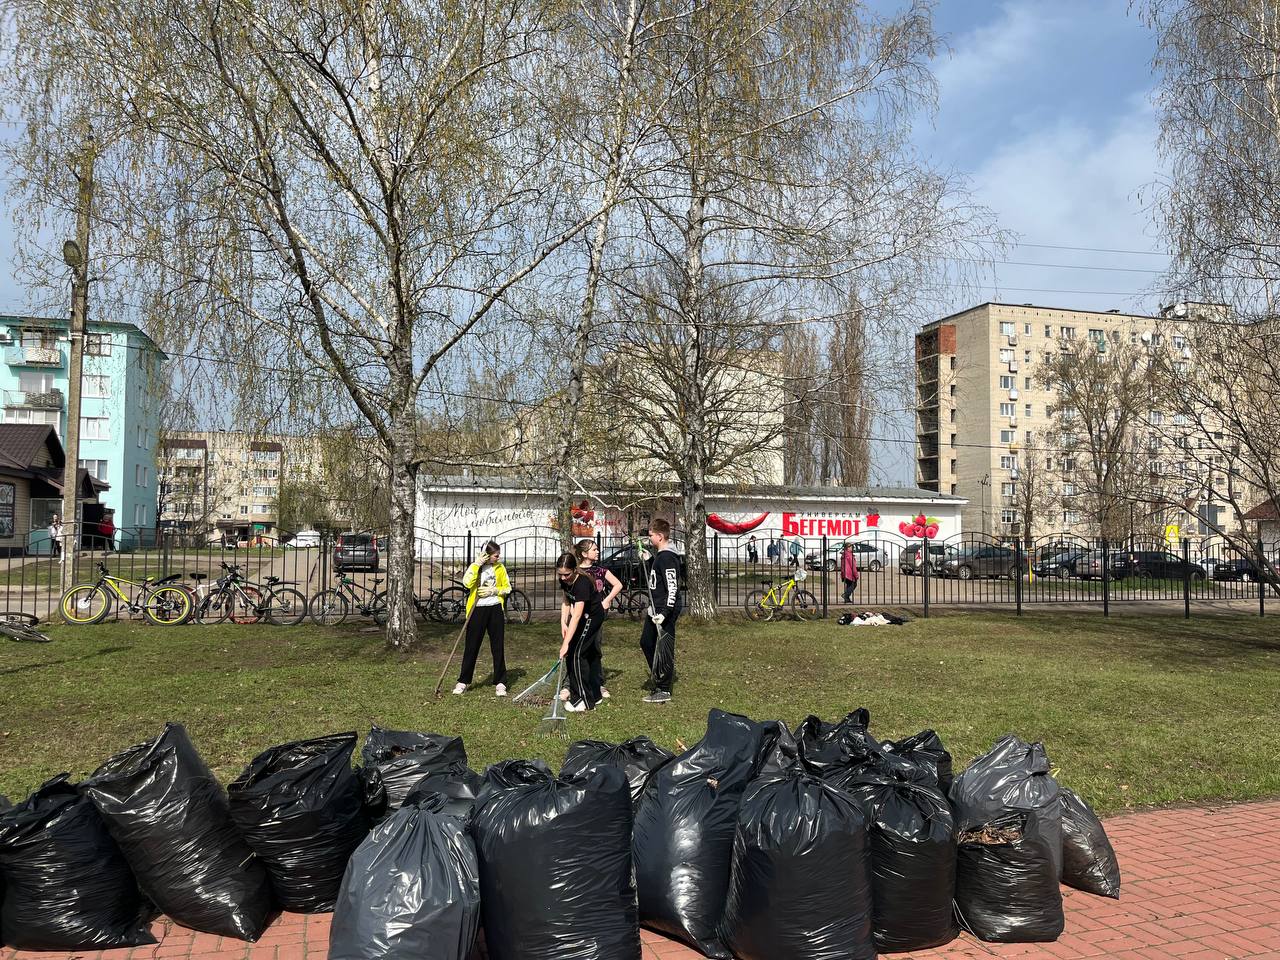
x: 659, y: 637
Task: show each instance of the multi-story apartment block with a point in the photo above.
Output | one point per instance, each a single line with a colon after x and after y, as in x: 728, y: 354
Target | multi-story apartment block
x: 982, y: 404
x: 119, y: 410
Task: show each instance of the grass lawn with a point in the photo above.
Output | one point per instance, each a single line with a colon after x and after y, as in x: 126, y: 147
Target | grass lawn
x: 1135, y: 710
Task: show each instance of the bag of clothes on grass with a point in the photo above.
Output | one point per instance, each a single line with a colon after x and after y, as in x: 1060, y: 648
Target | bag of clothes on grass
x: 1009, y: 822
x: 638, y: 758
x: 300, y: 807
x: 396, y: 760
x: 685, y: 827
x: 169, y: 815
x: 411, y: 890
x: 556, y: 877
x: 800, y: 882
x: 66, y: 883
x: 913, y: 852
x: 1088, y: 860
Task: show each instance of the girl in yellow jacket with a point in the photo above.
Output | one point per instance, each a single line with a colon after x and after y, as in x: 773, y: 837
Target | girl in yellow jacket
x: 486, y: 613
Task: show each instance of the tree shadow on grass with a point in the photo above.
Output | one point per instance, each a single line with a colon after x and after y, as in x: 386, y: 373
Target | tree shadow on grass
x: 29, y: 667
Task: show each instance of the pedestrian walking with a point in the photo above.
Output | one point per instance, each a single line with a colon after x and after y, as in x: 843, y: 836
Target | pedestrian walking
x: 489, y: 585
x: 579, y: 610
x: 607, y: 587
x: 848, y: 572
x: 794, y: 549
x: 658, y: 640
x: 55, y: 535
x: 107, y: 528
x: 753, y: 554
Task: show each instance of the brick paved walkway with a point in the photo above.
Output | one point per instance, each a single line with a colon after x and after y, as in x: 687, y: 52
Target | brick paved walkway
x: 1200, y: 884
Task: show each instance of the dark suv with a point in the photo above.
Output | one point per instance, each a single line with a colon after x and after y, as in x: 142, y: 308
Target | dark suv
x: 981, y: 560
x: 624, y: 563
x: 356, y: 551
x: 1155, y: 565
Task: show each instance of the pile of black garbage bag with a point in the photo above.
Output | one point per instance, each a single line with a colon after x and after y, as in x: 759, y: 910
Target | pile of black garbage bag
x: 759, y: 842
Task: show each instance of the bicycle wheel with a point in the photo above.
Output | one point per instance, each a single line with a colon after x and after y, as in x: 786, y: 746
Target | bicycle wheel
x: 286, y: 607
x: 804, y: 605
x: 451, y: 605
x: 246, y: 605
x: 380, y: 610
x: 518, y: 607
x: 756, y: 607
x: 87, y: 603
x: 20, y: 626
x: 328, y: 608
x: 167, y: 606
x: 212, y: 608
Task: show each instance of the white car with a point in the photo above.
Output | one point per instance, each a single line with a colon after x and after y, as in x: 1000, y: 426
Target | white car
x: 304, y: 539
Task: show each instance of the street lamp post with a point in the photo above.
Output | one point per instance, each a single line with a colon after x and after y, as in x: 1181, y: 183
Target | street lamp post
x: 985, y: 482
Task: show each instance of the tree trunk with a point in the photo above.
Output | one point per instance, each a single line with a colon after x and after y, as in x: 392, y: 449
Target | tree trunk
x: 700, y: 597
x: 402, y: 629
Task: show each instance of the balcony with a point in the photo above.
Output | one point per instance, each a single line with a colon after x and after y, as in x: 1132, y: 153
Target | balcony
x: 34, y: 357
x: 45, y: 400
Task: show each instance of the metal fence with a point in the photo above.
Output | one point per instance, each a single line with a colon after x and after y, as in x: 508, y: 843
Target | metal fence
x: 966, y: 571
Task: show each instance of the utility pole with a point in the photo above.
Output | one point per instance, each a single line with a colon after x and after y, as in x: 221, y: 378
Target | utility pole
x: 76, y: 254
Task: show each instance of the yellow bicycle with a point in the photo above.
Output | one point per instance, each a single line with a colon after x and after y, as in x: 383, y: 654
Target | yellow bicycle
x: 162, y: 602
x: 766, y: 604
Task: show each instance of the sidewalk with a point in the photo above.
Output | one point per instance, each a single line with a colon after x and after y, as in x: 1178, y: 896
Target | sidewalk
x: 1199, y: 884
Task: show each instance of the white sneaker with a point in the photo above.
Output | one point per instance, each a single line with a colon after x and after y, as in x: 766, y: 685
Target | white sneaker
x: 564, y: 693
x: 501, y: 690
x: 604, y: 694
x: 578, y: 707
x: 460, y: 688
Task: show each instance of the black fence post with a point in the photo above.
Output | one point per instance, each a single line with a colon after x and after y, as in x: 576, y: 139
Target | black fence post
x: 1106, y: 577
x: 826, y: 586
x: 470, y: 552
x: 1263, y: 577
x: 924, y: 569
x: 1017, y: 581
x: 1186, y: 578
x: 325, y: 542
x: 715, y: 568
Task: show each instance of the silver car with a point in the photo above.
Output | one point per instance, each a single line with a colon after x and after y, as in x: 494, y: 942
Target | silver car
x: 868, y: 556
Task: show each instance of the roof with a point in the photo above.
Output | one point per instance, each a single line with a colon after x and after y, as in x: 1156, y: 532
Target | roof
x: 20, y: 442
x: 1266, y: 510
x: 63, y: 323
x: 1038, y: 306
x: 536, y: 485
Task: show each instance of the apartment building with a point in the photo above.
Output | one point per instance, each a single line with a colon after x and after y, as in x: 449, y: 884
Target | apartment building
x: 119, y: 410
x: 981, y: 404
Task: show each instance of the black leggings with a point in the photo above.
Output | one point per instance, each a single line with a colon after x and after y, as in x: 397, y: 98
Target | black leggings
x: 582, y: 662
x: 491, y: 619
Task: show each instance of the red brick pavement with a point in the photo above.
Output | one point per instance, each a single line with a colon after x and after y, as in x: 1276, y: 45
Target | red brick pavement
x: 1199, y: 884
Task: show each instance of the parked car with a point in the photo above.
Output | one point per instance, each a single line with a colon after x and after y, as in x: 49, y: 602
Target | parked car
x: 1061, y: 565
x: 624, y: 563
x: 868, y: 556
x: 1239, y: 568
x: 1089, y: 566
x: 911, y: 557
x: 304, y: 539
x: 356, y: 551
x: 1158, y: 565
x: 981, y: 560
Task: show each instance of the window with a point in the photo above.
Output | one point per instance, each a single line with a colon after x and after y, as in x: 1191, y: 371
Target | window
x: 141, y: 475
x: 953, y: 466
x: 1157, y: 339
x: 139, y: 515
x: 97, y: 344
x: 1097, y: 335
x: 142, y: 437
x: 1155, y: 418
x: 1007, y: 329
x: 95, y: 428
x: 8, y: 502
x: 37, y: 339
x: 1068, y: 489
x: 953, y: 414
x: 1008, y: 516
x: 244, y: 509
x: 1181, y: 367
x: 1070, y: 516
x: 1179, y: 419
x: 262, y: 508
x: 1069, y: 465
x: 1026, y: 356
x: 1006, y: 356
x: 1133, y: 336
x: 1026, y: 383
x: 264, y: 491
x: 95, y: 468
x: 953, y: 390
x: 33, y: 382
x: 1008, y: 410
x: 183, y: 453
x: 1028, y: 410
x: 1179, y: 342
x: 1067, y: 333
x: 1028, y: 436
x: 1048, y: 330
x: 1008, y: 489
x: 953, y: 439
x: 953, y: 363
x: 1006, y: 383
x: 1008, y: 436
x: 953, y: 489
x: 1157, y: 468
x: 27, y: 415
x: 264, y: 456
x: 1026, y: 328
x: 96, y: 385
x: 1008, y: 463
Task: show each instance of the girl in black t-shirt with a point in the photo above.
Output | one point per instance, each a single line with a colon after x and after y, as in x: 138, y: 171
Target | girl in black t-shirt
x: 607, y: 588
x: 578, y: 613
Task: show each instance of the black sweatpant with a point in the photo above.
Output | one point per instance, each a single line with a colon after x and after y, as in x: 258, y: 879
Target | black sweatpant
x: 663, y: 678
x: 493, y: 620
x: 598, y: 642
x: 582, y: 662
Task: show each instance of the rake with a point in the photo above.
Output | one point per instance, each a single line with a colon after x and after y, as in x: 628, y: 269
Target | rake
x: 546, y: 691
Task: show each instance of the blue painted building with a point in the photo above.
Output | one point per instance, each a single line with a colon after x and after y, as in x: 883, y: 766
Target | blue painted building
x: 119, y: 409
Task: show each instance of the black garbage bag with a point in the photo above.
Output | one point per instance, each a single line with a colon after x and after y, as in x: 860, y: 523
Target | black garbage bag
x: 67, y: 884
x: 457, y: 788
x: 1088, y: 860
x: 402, y: 758
x: 685, y: 826
x: 913, y: 854
x: 800, y: 886
x: 1009, y: 822
x: 411, y: 890
x: 300, y: 807
x: 827, y: 748
x: 638, y: 758
x: 169, y: 815
x: 556, y: 877
x: 925, y: 749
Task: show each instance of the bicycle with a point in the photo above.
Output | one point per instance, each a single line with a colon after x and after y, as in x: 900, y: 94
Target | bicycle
x: 284, y: 606
x: 765, y: 605
x: 232, y: 596
x: 631, y: 604
x: 449, y: 604
x: 22, y: 627
x: 164, y: 602
x: 332, y: 607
